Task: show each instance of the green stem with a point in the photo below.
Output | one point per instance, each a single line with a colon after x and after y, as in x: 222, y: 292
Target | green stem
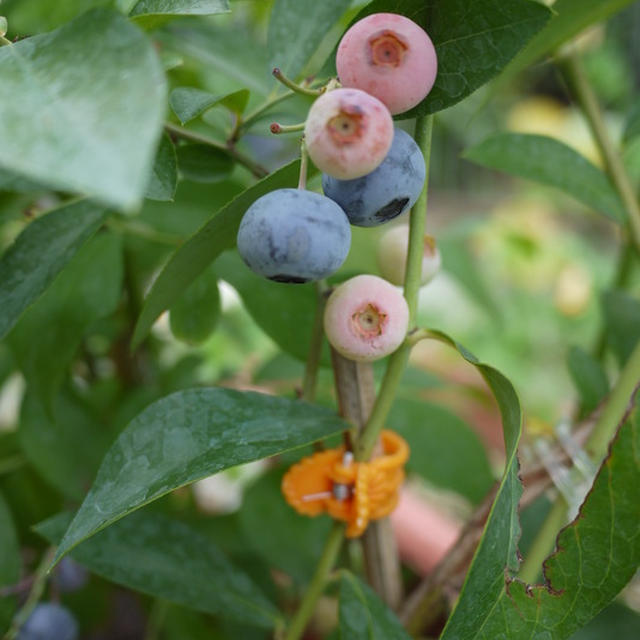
x: 596, y: 447
x: 417, y: 223
x: 588, y: 101
x: 259, y: 111
x: 304, y: 165
x: 398, y: 361
x: 187, y: 134
x: 290, y: 84
x: 309, y: 382
x: 4, y: 41
x: 616, y: 407
x: 278, y: 128
x: 37, y: 589
x: 543, y: 542
x: 323, y: 570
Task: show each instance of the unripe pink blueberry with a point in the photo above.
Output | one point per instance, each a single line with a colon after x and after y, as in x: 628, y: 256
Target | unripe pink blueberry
x: 366, y: 318
x: 393, y: 246
x: 348, y: 133
x: 390, y: 57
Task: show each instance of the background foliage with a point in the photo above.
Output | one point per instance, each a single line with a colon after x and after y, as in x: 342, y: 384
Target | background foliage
x: 133, y: 137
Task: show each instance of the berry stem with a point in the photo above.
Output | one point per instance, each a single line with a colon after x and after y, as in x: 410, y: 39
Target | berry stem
x: 290, y: 84
x: 245, y: 123
x: 276, y: 127
x: 186, y: 134
x: 37, y: 589
x: 318, y: 582
x: 587, y: 100
x: 398, y: 360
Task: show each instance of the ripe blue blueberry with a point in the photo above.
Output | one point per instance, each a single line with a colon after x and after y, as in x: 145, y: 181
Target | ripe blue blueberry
x: 49, y: 621
x: 293, y: 235
x: 386, y: 192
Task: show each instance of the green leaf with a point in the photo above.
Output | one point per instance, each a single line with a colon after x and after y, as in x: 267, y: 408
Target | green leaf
x: 45, y: 340
x: 179, y: 7
x: 589, y: 378
x: 570, y: 17
x: 616, y: 621
x: 459, y: 261
x: 632, y: 127
x: 228, y: 49
x: 9, y: 562
x: 187, y: 436
x: 164, y: 558
x: 164, y: 176
x: 287, y: 319
x: 474, y: 41
x: 444, y: 450
x: 194, y: 316
x: 203, y: 163
x: 296, y: 29
x: 78, y: 114
x: 622, y: 320
x: 39, y: 253
x: 189, y: 103
x: 65, y: 449
x: 291, y: 543
x: 202, y: 248
x: 596, y: 555
x: 497, y: 549
x: 363, y: 615
x: 552, y: 163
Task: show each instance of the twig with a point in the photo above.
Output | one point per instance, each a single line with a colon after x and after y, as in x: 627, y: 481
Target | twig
x: 355, y: 388
x: 186, y: 134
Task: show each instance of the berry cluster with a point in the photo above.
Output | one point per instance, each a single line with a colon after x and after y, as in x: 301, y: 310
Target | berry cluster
x: 372, y: 172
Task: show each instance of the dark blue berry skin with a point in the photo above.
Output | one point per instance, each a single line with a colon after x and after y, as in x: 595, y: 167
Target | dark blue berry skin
x: 69, y: 575
x: 293, y: 235
x: 49, y: 621
x: 386, y: 192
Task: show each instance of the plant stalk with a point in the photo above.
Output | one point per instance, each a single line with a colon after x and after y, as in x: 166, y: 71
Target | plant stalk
x: 355, y: 387
x: 588, y: 101
x: 325, y: 565
x: 596, y: 447
x: 37, y: 589
x: 258, y: 111
x: 186, y: 134
x: 397, y: 361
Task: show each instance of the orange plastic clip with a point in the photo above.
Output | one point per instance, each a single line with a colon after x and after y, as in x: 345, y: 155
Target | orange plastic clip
x: 332, y: 481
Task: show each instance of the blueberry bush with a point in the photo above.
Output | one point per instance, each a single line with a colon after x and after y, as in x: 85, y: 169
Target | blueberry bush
x: 241, y: 245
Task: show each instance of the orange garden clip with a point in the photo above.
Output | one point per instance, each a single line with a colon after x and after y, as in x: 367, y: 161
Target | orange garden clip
x: 333, y: 482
